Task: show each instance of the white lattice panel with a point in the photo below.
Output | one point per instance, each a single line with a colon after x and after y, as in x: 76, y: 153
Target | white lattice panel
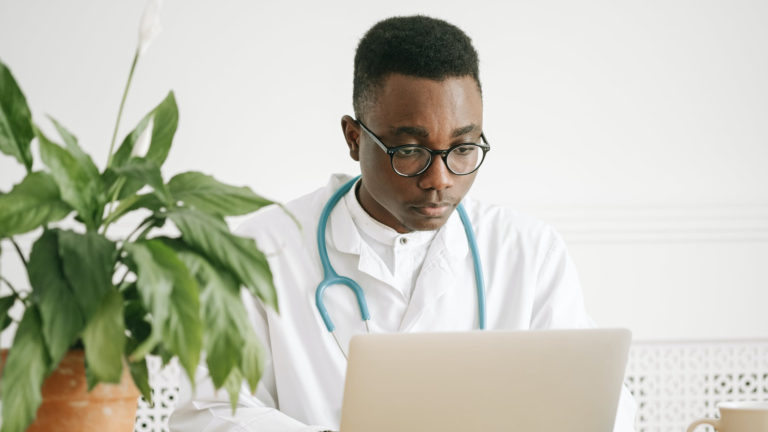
x: 673, y: 383
x: 165, y: 389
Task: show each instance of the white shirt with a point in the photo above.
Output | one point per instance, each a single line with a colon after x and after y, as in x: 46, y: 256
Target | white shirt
x: 530, y: 281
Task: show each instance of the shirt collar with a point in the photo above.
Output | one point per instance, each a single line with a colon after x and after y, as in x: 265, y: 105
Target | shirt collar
x: 379, y: 232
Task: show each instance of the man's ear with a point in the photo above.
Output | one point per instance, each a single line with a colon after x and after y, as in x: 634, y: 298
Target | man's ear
x: 351, y: 131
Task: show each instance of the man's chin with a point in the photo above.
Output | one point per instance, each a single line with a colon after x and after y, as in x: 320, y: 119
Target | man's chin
x: 427, y: 223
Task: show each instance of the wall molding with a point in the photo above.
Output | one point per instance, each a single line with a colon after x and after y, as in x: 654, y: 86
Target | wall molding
x: 726, y: 223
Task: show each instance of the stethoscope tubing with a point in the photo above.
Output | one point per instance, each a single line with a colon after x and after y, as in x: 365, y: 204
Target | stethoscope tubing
x: 479, y: 280
x: 330, y: 277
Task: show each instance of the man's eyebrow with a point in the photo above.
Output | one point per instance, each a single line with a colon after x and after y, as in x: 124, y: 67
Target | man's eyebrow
x: 463, y: 130
x: 419, y: 131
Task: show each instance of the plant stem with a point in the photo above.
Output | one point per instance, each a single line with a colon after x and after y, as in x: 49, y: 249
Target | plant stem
x: 144, y: 233
x: 111, y: 205
x: 120, y: 111
x: 141, y: 225
x: 13, y: 290
x: 21, y: 255
x: 135, y: 230
x: 149, y: 220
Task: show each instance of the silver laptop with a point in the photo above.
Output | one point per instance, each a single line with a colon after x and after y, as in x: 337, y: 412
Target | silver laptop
x: 533, y: 381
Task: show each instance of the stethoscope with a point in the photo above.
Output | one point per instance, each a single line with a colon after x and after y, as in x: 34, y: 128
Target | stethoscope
x: 330, y: 277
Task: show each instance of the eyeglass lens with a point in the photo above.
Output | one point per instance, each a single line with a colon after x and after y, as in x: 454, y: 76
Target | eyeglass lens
x: 462, y: 159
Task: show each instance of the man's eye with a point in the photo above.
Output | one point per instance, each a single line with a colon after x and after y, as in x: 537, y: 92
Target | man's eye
x: 409, y: 152
x: 465, y: 150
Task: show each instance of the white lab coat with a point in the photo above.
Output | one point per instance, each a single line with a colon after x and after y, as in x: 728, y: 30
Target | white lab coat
x: 531, y: 283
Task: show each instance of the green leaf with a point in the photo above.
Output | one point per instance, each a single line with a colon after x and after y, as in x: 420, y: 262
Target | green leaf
x: 140, y: 375
x: 104, y: 337
x: 253, y: 355
x: 88, y: 260
x: 184, y: 333
x: 165, y: 356
x: 15, y: 120
x: 70, y: 141
x: 170, y: 295
x: 206, y: 194
x: 222, y: 309
x: 166, y: 119
x: 33, y: 202
x: 23, y: 374
x: 210, y: 236
x: 233, y: 384
x: 90, y: 379
x: 6, y: 303
x: 155, y: 283
x: 143, y: 172
x: 123, y: 153
x: 229, y: 341
x: 138, y: 331
x: 136, y: 318
x: 78, y: 186
x: 62, y: 318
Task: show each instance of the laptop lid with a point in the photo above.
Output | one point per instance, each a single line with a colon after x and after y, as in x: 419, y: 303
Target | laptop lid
x: 554, y: 380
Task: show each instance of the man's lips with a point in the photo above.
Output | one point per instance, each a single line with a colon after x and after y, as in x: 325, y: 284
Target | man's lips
x: 432, y: 209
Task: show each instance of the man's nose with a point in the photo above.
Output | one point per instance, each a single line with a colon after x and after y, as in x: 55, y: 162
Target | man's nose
x: 436, y: 176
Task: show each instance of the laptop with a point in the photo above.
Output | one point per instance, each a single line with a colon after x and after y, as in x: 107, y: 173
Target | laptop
x: 533, y: 381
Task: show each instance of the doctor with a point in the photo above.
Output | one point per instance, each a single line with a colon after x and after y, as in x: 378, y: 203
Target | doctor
x: 418, y: 136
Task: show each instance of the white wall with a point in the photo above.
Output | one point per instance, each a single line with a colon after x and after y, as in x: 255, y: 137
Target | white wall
x: 637, y: 128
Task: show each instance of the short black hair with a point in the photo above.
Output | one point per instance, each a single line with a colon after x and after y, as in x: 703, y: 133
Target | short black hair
x: 418, y: 46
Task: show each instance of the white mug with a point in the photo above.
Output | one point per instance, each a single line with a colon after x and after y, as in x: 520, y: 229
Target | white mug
x: 738, y: 417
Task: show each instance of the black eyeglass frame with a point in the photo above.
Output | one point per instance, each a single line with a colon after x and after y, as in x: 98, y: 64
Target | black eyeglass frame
x: 485, y: 147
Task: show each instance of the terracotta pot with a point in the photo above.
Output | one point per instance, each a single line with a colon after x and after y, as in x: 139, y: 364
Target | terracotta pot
x: 69, y: 407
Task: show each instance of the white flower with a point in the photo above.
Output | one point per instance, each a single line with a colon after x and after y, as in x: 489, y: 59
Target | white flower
x: 150, y: 24
x: 141, y: 146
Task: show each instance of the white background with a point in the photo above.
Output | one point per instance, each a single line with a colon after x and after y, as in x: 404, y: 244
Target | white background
x: 638, y: 128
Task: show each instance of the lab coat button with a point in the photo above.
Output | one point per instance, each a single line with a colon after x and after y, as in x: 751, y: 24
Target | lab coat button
x: 403, y: 240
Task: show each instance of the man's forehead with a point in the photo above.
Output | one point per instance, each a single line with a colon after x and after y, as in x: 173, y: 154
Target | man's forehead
x: 408, y: 105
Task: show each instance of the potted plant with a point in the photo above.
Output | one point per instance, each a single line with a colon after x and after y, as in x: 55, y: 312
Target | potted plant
x: 107, y: 300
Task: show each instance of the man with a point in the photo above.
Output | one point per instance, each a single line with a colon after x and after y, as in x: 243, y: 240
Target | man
x: 418, y: 136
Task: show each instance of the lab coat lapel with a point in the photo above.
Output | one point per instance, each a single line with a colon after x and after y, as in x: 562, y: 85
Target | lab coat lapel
x: 343, y: 236
x: 445, y: 258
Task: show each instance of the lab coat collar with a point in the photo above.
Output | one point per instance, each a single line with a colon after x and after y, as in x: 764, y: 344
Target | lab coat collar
x: 343, y: 236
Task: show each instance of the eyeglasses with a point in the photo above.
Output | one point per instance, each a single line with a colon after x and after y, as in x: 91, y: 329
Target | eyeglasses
x: 412, y: 160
